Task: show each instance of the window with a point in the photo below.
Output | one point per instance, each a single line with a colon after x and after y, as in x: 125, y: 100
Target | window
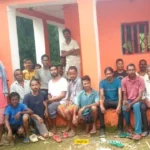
x: 135, y: 38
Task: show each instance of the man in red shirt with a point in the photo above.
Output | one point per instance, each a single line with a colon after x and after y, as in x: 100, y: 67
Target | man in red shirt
x: 133, y: 88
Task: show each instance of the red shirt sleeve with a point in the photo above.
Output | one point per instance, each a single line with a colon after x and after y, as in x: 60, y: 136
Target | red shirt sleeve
x: 123, y: 85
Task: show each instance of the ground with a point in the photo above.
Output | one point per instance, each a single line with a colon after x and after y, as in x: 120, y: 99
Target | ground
x: 94, y: 144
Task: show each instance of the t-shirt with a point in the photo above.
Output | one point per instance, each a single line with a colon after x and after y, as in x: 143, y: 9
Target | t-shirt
x: 83, y: 99
x: 44, y: 76
x: 133, y: 87
x: 55, y: 88
x: 28, y: 75
x: 120, y: 75
x: 110, y: 88
x: 35, y: 103
x: 12, y: 111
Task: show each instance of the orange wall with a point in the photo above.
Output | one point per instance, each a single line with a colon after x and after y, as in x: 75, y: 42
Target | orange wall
x: 110, y: 17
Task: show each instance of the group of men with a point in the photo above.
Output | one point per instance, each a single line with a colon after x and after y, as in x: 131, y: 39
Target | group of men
x: 36, y: 96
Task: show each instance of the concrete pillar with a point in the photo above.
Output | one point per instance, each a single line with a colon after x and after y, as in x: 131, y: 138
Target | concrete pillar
x: 89, y: 40
x: 39, y: 38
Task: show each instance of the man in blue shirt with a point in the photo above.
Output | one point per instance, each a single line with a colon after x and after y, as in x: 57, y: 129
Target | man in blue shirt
x: 111, y: 97
x: 14, y: 119
x: 86, y: 106
x: 36, y: 101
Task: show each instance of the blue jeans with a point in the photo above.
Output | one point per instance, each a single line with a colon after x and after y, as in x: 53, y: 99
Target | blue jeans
x: 137, y: 117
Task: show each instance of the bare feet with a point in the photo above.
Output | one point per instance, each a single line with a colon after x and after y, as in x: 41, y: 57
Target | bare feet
x: 71, y: 133
x: 93, y: 130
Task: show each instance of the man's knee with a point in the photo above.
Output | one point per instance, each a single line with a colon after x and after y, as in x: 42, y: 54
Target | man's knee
x: 25, y: 117
x: 94, y: 108
x: 143, y: 107
x: 20, y: 131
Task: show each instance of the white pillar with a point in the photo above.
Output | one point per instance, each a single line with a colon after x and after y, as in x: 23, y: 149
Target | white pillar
x: 13, y: 38
x: 39, y: 39
x: 61, y: 37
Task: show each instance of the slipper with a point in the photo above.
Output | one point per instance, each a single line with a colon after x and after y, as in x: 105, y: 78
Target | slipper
x: 33, y: 138
x: 65, y: 135
x: 71, y: 134
x: 57, y: 138
x: 124, y: 135
x: 50, y: 134
x: 41, y: 138
x: 26, y: 140
x: 137, y: 137
x: 93, y: 132
x: 116, y: 143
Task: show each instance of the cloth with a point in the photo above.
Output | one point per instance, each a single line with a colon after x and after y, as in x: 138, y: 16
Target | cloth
x: 2, y: 116
x: 55, y: 88
x: 12, y: 111
x: 83, y: 100
x: 35, y: 103
x: 133, y: 87
x: 44, y: 76
x: 52, y: 109
x: 110, y: 105
x: 71, y: 60
x: 15, y: 128
x: 137, y: 117
x: 74, y: 88
x: 120, y: 75
x: 110, y: 88
x: 28, y: 75
x: 147, y: 87
x: 3, y: 98
x: 4, y: 79
x: 22, y: 91
x: 41, y: 127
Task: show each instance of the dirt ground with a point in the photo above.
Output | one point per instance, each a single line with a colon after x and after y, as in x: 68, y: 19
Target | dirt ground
x: 95, y: 143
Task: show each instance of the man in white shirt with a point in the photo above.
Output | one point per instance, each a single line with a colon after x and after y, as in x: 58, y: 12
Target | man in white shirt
x: 70, y: 49
x: 57, y: 89
x: 21, y: 86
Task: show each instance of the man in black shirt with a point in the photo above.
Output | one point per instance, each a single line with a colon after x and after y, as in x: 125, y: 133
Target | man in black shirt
x: 120, y: 72
x: 36, y: 101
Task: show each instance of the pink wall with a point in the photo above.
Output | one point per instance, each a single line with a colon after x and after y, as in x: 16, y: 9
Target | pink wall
x: 110, y: 16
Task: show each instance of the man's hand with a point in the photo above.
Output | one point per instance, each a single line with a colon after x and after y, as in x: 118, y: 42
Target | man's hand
x: 118, y: 109
x: 17, y: 116
x: 67, y: 102
x: 128, y: 107
x: 103, y: 110
x: 75, y: 120
x: 40, y: 119
x: 46, y: 114
x: 82, y: 109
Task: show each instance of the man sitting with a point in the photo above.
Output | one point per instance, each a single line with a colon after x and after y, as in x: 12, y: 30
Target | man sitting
x: 111, y: 96
x: 86, y: 106
x: 15, y: 118
x: 133, y: 87
x: 36, y: 101
x: 67, y: 109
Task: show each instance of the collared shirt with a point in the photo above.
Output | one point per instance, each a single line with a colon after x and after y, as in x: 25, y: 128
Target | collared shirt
x: 74, y: 88
x: 28, y: 75
x: 71, y: 60
x: 133, y: 87
x: 110, y: 89
x: 83, y: 99
x: 22, y: 91
x: 44, y: 76
x: 147, y: 86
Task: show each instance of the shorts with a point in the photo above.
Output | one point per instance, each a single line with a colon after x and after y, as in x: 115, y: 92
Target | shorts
x: 2, y: 116
x: 52, y: 109
x: 40, y: 127
x: 14, y: 128
x: 62, y: 108
x: 88, y: 118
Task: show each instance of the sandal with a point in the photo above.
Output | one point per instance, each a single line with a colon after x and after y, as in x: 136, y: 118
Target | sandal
x: 57, y: 138
x: 92, y: 132
x: 65, y: 135
x: 26, y: 140
x: 137, y: 137
x: 116, y: 143
x: 124, y: 135
x: 71, y: 134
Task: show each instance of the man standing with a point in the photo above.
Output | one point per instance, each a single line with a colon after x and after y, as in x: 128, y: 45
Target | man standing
x: 86, y: 106
x: 70, y: 50
x: 16, y: 118
x: 133, y: 87
x: 111, y: 97
x: 21, y: 86
x: 29, y: 73
x: 120, y: 72
x: 67, y: 109
x: 57, y: 89
x: 36, y: 101
x: 43, y: 74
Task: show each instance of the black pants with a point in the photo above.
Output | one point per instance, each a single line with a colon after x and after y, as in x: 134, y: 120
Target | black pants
x: 144, y: 117
x: 108, y: 105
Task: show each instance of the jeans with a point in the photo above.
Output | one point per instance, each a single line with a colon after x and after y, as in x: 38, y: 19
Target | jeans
x: 137, y: 117
x: 110, y: 104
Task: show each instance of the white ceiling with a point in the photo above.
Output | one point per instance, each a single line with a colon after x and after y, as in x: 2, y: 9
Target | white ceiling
x: 52, y: 10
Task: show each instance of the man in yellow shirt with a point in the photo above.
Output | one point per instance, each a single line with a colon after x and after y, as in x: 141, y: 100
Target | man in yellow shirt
x: 29, y: 73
